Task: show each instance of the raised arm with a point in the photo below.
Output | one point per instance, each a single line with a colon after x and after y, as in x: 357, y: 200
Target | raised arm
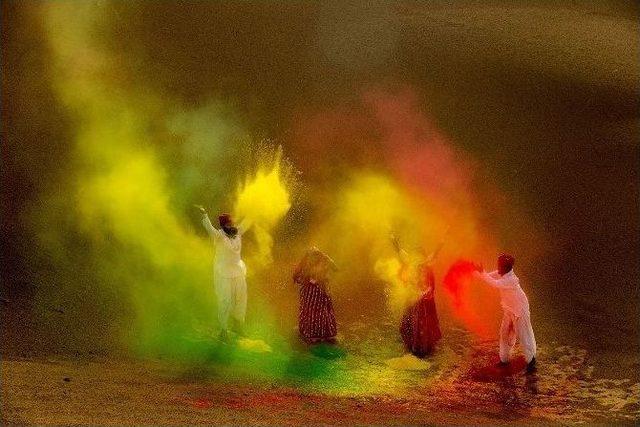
x: 244, y: 225
x: 404, y: 272
x: 433, y: 255
x: 402, y: 254
x: 206, y: 222
x: 328, y: 260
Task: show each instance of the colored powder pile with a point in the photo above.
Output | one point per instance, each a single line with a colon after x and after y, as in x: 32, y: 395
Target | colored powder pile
x: 256, y: 346
x: 408, y: 362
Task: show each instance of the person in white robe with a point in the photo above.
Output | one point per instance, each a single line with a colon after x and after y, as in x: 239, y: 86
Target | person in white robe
x: 229, y: 272
x: 516, y: 320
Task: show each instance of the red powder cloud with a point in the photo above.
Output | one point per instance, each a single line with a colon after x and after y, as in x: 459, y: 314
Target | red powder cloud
x: 474, y: 305
x: 389, y: 132
x: 441, y: 173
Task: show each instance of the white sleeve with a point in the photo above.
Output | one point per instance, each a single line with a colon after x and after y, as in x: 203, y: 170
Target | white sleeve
x: 206, y: 222
x: 243, y: 226
x: 500, y: 282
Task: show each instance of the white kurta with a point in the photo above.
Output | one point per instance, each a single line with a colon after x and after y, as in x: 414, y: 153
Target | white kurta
x: 229, y: 274
x: 516, y: 321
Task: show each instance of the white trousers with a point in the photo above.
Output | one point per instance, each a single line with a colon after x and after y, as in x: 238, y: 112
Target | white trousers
x: 231, y: 295
x: 519, y: 328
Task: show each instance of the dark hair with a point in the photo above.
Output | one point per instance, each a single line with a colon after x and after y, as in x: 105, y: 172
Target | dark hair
x: 505, y: 263
x: 230, y: 231
x: 225, y: 220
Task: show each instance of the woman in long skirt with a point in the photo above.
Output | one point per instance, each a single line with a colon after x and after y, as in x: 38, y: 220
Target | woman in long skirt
x: 420, y: 328
x: 316, y: 318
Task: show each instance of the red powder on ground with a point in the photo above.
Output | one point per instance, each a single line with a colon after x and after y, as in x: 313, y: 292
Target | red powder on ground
x: 202, y: 403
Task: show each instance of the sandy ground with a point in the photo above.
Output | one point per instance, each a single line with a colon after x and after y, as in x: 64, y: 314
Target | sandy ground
x: 107, y: 392
x: 460, y: 384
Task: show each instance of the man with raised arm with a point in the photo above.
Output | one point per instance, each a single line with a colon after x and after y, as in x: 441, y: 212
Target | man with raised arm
x: 229, y: 272
x: 516, y: 320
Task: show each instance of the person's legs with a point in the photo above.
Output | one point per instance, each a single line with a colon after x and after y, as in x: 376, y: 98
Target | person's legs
x: 527, y: 341
x: 526, y: 337
x: 240, y: 303
x: 223, y: 298
x: 507, y: 338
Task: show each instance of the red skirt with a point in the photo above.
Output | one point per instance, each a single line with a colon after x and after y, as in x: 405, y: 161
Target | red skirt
x: 316, y: 319
x: 419, y: 328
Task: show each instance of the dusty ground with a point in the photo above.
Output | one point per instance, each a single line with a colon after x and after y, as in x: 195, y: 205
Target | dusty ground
x: 108, y: 392
x: 458, y: 385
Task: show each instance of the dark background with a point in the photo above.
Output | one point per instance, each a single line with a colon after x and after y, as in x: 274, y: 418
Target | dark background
x: 544, y: 94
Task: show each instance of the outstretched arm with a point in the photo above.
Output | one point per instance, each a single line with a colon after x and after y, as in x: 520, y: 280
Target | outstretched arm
x: 431, y: 282
x: 494, y: 279
x: 206, y: 222
x: 494, y: 274
x: 432, y: 257
x: 329, y: 260
x: 402, y: 254
x: 244, y: 225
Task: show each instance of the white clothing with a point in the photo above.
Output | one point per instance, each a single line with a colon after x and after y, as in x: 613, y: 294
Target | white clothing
x: 229, y: 274
x: 516, y: 320
x: 228, y: 262
x: 512, y: 297
x: 231, y: 296
x: 516, y: 327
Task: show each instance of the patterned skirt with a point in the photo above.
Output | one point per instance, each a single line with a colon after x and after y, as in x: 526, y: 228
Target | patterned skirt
x: 419, y: 328
x: 316, y: 319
